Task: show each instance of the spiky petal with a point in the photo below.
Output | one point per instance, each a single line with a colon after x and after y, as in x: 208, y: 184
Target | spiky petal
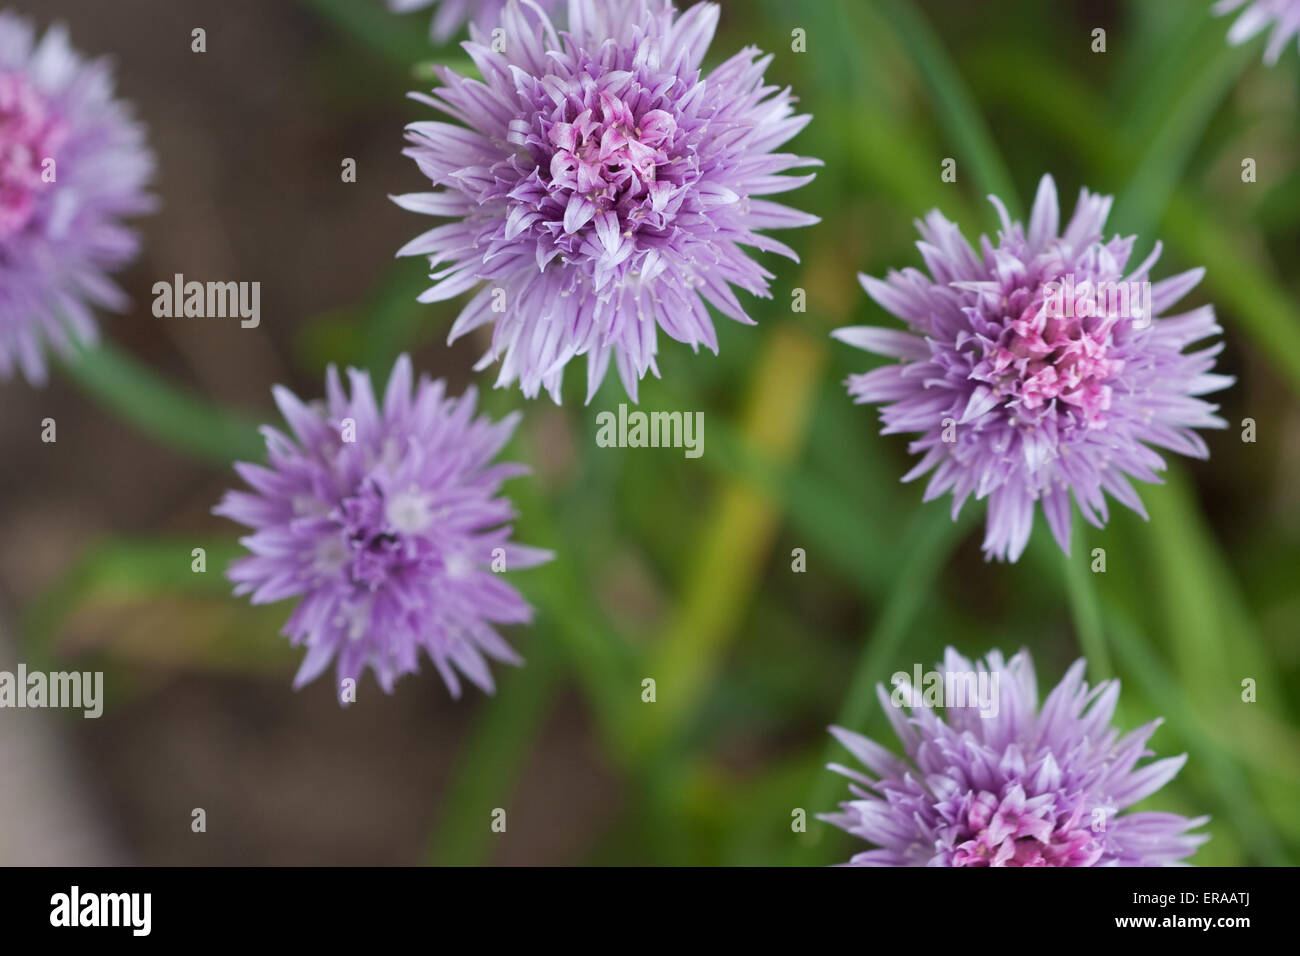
x: 1018, y: 397
x: 1259, y: 15
x: 601, y: 189
x: 386, y: 521
x: 451, y: 15
x: 73, y: 163
x: 1010, y: 784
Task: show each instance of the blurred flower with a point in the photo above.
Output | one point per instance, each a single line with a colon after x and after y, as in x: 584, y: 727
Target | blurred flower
x: 72, y: 161
x: 386, y: 521
x: 1282, y: 15
x: 603, y: 188
x: 451, y: 15
x: 1037, y: 368
x: 1022, y: 787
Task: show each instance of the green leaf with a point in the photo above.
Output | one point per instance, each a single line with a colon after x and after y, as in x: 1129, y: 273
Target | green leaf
x: 157, y: 608
x: 495, y: 753
x: 1218, y: 768
x: 402, y: 42
x: 924, y: 552
x: 1238, y: 276
x: 1168, y: 144
x: 728, y: 551
x: 1084, y: 605
x: 176, y: 417
x: 956, y: 109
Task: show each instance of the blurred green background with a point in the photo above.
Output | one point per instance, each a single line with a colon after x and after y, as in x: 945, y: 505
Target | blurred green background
x: 675, y: 569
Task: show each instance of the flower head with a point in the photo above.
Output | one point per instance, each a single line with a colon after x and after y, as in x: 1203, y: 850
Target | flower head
x: 386, y: 520
x: 601, y: 189
x: 72, y: 163
x: 1001, y: 782
x: 1282, y: 15
x: 451, y: 15
x: 1038, y: 368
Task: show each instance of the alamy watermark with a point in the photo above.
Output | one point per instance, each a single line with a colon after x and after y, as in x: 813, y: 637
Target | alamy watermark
x: 1064, y: 299
x: 209, y: 300
x: 79, y: 690
x: 947, y: 689
x: 75, y: 908
x: 638, y: 429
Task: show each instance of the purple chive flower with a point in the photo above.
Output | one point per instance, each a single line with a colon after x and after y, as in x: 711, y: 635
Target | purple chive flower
x: 601, y: 189
x: 387, y: 522
x: 1282, y: 15
x: 451, y: 15
x: 72, y: 163
x: 1038, y: 368
x: 1020, y: 787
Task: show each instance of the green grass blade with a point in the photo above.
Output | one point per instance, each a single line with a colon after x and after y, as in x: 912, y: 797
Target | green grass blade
x: 174, y: 416
x: 927, y: 547
x: 1084, y: 605
x: 1238, y: 279
x: 495, y: 754
x: 956, y: 109
x: 1169, y: 148
x: 1216, y: 765
x: 392, y: 38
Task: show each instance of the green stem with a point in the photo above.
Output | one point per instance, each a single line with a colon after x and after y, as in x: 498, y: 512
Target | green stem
x: 1085, y: 608
x: 494, y: 758
x: 161, y: 409
x: 387, y: 36
x: 932, y: 539
x: 1218, y: 768
x: 956, y: 108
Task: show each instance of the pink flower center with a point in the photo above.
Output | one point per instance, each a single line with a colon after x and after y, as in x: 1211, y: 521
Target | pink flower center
x: 1016, y: 831
x: 1042, y: 357
x: 607, y: 159
x: 28, y: 136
